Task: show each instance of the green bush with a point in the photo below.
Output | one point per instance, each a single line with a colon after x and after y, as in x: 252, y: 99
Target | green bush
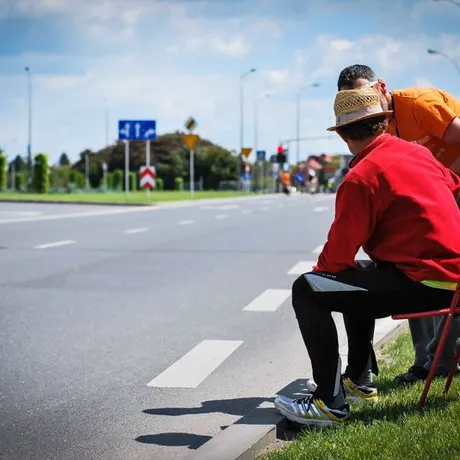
x: 118, y: 179
x: 20, y: 179
x: 109, y: 181
x: 132, y: 181
x: 41, y: 179
x: 77, y: 178
x: 159, y: 184
x: 3, y: 169
x: 178, y: 183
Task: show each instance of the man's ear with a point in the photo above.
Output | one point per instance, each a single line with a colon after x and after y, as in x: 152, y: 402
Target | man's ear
x: 383, y: 86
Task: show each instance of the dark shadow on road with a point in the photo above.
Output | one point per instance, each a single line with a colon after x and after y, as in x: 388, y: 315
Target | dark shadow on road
x: 192, y: 441
x: 237, y: 406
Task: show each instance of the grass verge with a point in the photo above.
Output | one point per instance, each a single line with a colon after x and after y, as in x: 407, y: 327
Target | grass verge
x: 391, y: 428
x: 138, y: 197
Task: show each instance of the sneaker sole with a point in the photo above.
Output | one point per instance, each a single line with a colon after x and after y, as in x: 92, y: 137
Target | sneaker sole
x: 303, y: 421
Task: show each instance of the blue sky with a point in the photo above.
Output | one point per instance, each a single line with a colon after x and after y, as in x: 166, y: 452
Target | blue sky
x: 170, y: 59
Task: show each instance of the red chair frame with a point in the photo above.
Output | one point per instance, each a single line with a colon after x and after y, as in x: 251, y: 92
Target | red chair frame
x: 450, y: 312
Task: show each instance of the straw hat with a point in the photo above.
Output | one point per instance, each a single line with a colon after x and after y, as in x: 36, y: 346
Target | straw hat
x: 352, y: 105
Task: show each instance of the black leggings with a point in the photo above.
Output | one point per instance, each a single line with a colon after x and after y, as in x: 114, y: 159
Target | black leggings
x: 362, y: 295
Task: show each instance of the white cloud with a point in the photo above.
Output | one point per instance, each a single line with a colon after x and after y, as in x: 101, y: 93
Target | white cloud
x: 278, y: 76
x: 236, y: 46
x: 341, y: 45
x: 422, y: 81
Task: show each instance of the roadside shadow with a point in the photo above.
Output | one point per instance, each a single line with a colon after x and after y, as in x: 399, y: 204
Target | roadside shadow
x: 192, y: 441
x: 237, y: 406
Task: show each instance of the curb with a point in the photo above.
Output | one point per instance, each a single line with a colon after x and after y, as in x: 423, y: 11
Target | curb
x: 172, y: 203
x: 251, y: 434
x: 89, y: 203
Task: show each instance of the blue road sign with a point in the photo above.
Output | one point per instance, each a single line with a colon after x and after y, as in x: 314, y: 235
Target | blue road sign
x: 137, y: 130
x: 260, y: 155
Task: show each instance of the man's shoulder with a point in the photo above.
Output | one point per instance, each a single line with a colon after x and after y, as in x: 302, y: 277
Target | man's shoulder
x: 422, y: 93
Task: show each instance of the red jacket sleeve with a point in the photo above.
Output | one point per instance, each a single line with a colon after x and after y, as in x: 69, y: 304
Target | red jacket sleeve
x: 353, y: 225
x: 453, y: 181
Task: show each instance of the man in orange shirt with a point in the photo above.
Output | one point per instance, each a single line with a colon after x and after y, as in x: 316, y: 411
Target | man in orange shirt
x: 430, y: 117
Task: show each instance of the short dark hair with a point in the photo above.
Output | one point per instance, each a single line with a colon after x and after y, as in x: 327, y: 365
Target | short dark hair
x: 349, y: 75
x: 363, y: 129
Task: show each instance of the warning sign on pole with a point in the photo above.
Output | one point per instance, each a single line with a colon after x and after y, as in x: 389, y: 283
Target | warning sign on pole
x: 246, y: 151
x: 190, y: 140
x: 147, y: 177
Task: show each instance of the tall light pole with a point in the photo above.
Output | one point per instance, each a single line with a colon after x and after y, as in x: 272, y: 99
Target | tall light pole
x: 256, y: 119
x: 256, y: 136
x: 242, y: 77
x: 106, y: 121
x: 454, y: 62
x: 29, y: 142
x: 299, y: 95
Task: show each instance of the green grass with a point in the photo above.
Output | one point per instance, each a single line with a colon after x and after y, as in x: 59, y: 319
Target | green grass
x: 391, y: 428
x: 114, y: 197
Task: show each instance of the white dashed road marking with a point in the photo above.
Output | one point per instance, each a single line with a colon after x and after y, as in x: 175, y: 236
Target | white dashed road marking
x: 186, y: 222
x: 221, y: 216
x: 301, y: 267
x: 136, y: 230
x: 190, y: 370
x: 269, y: 300
x: 318, y: 249
x: 55, y: 244
x: 320, y: 209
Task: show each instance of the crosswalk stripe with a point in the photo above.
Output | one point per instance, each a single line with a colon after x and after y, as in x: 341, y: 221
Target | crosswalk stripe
x: 190, y: 370
x: 269, y: 300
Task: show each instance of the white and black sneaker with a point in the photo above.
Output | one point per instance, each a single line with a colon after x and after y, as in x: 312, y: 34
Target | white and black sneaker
x: 311, y: 410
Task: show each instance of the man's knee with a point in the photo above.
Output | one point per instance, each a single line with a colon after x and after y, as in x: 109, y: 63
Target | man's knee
x: 301, y: 292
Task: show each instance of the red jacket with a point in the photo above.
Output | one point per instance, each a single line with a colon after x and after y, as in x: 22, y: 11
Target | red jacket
x: 398, y: 203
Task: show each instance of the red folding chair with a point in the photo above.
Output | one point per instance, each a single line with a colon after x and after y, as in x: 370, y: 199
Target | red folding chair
x: 450, y: 312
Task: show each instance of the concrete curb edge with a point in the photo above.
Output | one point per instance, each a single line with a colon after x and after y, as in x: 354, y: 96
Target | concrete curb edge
x: 251, y: 434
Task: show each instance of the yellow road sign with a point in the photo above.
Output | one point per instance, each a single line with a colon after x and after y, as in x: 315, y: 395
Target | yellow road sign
x: 190, y: 124
x: 246, y: 151
x: 190, y: 140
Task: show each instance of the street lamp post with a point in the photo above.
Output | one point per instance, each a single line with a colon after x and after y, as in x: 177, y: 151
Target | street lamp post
x: 242, y: 77
x: 299, y: 95
x: 256, y: 135
x: 29, y: 142
x: 106, y: 121
x: 439, y: 53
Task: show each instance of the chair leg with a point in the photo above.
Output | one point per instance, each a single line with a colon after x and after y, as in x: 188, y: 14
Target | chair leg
x: 434, y: 364
x: 453, y: 369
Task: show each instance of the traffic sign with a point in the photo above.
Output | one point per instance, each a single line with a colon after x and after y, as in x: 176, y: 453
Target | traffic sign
x: 190, y: 140
x: 190, y: 124
x: 147, y: 177
x: 137, y: 130
x: 246, y: 151
x: 261, y: 155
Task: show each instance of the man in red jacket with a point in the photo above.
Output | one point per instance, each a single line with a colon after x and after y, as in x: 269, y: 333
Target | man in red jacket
x: 398, y: 203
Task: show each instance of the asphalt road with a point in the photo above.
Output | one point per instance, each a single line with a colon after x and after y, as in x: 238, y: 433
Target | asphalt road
x: 138, y: 333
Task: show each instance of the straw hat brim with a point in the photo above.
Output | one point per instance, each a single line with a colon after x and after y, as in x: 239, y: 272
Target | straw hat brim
x: 371, y: 115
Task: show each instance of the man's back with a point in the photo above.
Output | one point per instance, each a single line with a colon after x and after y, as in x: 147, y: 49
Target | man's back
x: 415, y: 218
x: 422, y: 115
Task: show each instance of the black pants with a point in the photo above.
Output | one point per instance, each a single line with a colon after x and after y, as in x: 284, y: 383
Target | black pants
x: 362, y: 295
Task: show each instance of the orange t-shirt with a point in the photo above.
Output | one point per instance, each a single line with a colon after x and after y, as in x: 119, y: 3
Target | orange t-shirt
x: 286, y: 178
x: 422, y: 115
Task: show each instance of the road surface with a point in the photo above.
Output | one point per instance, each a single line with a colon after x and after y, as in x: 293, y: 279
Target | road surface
x: 139, y: 333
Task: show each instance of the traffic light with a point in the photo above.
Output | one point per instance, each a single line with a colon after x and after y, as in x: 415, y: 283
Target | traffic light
x: 281, y: 156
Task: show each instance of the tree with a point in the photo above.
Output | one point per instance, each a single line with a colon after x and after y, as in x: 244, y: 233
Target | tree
x: 19, y: 164
x: 41, y: 178
x: 3, y: 168
x: 64, y: 160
